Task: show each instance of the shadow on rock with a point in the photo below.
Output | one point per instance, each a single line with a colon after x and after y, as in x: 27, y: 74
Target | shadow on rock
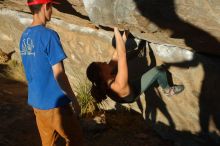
x: 66, y: 7
x: 162, y: 13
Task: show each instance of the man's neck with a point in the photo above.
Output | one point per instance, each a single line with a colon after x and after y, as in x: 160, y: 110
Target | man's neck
x: 38, y: 20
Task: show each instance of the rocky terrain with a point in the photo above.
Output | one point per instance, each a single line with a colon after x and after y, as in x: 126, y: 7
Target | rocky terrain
x: 183, y: 35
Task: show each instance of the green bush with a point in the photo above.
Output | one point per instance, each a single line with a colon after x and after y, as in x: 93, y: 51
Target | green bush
x: 87, y: 103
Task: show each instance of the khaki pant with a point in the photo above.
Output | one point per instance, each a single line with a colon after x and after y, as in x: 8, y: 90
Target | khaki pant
x: 57, y: 122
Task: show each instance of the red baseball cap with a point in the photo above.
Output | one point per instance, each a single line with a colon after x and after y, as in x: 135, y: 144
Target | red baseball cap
x: 36, y: 2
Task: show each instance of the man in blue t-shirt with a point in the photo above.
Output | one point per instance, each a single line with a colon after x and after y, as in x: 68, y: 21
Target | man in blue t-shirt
x: 49, y: 91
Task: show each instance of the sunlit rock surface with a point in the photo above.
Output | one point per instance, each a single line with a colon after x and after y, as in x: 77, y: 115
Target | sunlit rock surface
x: 192, y: 111
x: 185, y: 23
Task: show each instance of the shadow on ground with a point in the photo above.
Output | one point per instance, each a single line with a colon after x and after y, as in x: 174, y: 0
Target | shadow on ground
x: 17, y: 119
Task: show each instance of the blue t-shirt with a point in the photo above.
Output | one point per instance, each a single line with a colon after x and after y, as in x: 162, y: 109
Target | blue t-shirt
x: 40, y: 49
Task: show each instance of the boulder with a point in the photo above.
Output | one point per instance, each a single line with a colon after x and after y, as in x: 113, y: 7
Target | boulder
x: 190, y: 24
x: 195, y: 110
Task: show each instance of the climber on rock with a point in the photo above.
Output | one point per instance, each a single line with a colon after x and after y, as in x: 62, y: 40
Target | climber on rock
x: 111, y: 79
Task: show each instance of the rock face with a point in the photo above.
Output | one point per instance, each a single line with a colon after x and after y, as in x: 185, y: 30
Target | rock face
x: 171, y: 27
x: 185, y: 23
x: 197, y: 108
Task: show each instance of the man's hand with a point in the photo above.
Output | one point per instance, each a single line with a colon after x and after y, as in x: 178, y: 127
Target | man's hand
x: 76, y: 107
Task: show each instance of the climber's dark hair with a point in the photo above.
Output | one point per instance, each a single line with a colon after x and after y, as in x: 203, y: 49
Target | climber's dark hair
x: 99, y: 88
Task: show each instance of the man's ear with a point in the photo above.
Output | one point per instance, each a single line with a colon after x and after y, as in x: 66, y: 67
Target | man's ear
x: 48, y: 5
x: 43, y: 8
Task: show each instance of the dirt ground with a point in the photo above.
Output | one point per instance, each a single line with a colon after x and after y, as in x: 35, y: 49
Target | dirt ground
x: 110, y: 128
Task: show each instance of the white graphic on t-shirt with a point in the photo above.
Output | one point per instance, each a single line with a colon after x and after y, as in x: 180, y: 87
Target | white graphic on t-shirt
x: 27, y: 46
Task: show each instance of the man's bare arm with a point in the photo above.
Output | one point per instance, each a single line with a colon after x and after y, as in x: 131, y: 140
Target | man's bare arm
x: 61, y: 77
